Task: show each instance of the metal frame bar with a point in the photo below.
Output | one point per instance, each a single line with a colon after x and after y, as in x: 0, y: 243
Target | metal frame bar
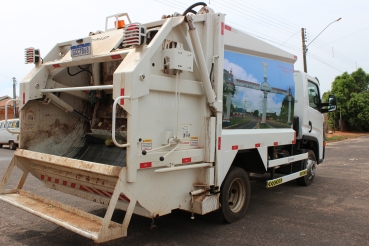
x: 81, y: 88
x: 287, y: 160
x: 178, y: 168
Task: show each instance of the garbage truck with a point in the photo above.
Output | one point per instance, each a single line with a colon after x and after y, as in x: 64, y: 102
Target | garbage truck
x: 153, y: 117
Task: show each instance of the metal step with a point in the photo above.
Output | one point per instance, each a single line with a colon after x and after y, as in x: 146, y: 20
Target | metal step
x: 78, y: 221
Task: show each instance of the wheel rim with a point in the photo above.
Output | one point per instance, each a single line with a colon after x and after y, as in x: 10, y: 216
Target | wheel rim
x: 311, y: 168
x: 236, y: 195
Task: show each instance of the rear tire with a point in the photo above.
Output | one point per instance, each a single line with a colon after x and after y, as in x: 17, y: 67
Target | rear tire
x: 310, y: 164
x: 12, y: 145
x: 235, y: 195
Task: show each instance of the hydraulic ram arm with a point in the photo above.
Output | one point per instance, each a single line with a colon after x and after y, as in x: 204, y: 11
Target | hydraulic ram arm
x: 210, y: 95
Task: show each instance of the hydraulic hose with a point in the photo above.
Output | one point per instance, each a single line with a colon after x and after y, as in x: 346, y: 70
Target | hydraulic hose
x: 193, y: 6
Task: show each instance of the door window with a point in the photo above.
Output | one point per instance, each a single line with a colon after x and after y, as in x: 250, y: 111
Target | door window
x: 314, y: 98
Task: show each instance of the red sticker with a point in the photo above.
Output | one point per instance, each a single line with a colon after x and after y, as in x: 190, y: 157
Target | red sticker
x: 257, y: 145
x: 234, y: 147
x: 122, y: 94
x: 186, y: 160
x: 222, y: 28
x: 115, y: 56
x: 275, y: 143
x: 145, y: 164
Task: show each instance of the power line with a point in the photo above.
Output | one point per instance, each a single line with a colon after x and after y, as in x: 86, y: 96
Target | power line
x: 338, y: 56
x: 266, y: 16
x: 316, y: 58
x: 288, y: 39
x: 279, y: 18
x: 5, y: 76
x: 257, y: 20
x: 292, y: 47
x: 347, y: 36
x: 247, y: 32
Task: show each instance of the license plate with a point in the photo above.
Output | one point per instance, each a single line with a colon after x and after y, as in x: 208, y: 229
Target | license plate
x: 81, y: 50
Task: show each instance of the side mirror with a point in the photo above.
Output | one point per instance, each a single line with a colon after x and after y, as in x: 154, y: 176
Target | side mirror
x: 331, y: 105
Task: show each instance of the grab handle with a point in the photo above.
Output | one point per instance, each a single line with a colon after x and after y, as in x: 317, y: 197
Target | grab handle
x: 113, y: 122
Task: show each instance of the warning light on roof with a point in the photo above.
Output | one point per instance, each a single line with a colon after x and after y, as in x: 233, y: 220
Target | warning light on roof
x: 120, y: 24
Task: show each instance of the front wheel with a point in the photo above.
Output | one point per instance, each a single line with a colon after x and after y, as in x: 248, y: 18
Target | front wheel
x: 310, y: 164
x: 235, y: 195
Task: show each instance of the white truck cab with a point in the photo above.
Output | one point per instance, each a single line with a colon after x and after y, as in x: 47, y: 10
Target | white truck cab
x: 309, y: 110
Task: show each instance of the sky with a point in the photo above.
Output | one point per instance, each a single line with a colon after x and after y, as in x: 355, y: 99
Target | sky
x: 342, y: 46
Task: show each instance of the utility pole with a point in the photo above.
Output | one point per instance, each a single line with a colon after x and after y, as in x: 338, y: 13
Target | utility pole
x: 15, y: 97
x: 304, y: 46
x: 303, y: 37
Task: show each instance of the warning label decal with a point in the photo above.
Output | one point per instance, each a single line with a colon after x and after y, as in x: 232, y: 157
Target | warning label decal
x: 194, y: 141
x: 146, y: 144
x: 186, y: 131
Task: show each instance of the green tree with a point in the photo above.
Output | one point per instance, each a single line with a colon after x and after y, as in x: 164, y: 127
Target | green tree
x: 351, y: 92
x: 358, y: 108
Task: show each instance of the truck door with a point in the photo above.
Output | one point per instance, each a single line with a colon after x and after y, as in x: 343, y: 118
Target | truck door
x: 316, y: 118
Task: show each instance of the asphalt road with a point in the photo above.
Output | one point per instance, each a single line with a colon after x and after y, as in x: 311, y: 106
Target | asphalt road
x: 334, y: 210
x: 249, y: 125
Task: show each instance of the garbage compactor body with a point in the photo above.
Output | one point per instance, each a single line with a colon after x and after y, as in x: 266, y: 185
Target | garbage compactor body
x: 130, y: 118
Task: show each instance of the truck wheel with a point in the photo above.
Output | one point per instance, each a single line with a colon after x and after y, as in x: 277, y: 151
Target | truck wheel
x: 310, y: 164
x: 235, y: 195
x: 12, y: 145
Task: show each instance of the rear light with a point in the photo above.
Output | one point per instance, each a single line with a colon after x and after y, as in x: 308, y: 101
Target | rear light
x: 31, y: 55
x: 134, y: 34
